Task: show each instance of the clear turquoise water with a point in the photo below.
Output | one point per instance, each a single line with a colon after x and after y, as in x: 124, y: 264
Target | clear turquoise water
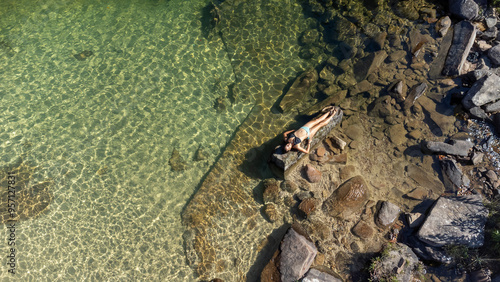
x: 148, y: 88
x: 102, y: 130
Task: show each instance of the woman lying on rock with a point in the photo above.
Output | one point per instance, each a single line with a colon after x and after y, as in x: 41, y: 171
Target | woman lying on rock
x: 293, y: 138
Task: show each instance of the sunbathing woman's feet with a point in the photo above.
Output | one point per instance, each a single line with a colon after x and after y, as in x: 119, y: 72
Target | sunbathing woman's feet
x: 327, y: 109
x: 332, y: 111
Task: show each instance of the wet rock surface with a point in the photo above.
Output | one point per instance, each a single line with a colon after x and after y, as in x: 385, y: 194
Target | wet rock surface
x: 297, y: 255
x: 348, y: 198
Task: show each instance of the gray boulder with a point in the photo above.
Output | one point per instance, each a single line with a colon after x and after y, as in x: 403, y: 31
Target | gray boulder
x: 483, y: 91
x: 455, y: 221
x: 455, y: 147
x: 387, y: 214
x: 297, y: 255
x: 454, y: 179
x: 463, y: 38
x: 464, y: 9
x: 494, y: 54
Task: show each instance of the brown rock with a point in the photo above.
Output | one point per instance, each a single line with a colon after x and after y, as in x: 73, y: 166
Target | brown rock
x: 321, y: 151
x: 289, y: 186
x: 271, y: 273
x: 347, y: 172
x: 271, y: 191
x: 312, y: 174
x: 362, y: 230
x: 271, y: 212
x: 308, y: 206
x: 348, y: 198
x: 418, y: 193
x: 339, y: 159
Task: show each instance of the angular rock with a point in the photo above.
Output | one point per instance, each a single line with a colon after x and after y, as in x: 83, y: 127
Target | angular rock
x: 348, y: 198
x: 271, y: 273
x: 381, y: 107
x: 456, y: 147
x: 308, y: 206
x: 424, y: 178
x: 338, y: 159
x: 455, y: 220
x: 464, y: 9
x: 368, y: 65
x: 397, y: 134
x: 399, y: 263
x: 494, y: 54
x: 398, y: 91
x: 443, y: 25
x: 477, y: 158
x: 301, y: 88
x: 362, y: 230
x: 427, y: 252
x: 415, y: 219
x: 416, y: 92
x: 297, y: 255
x: 483, y: 91
x: 387, y: 214
x: 315, y: 275
x: 464, y: 35
x: 454, y: 179
x: 493, y: 107
x: 312, y: 175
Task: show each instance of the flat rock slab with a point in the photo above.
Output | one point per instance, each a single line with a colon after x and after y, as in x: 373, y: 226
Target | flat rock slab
x: 368, y: 65
x: 455, y: 221
x: 315, y: 275
x: 455, y: 147
x: 297, y: 255
x: 285, y: 161
x: 463, y: 37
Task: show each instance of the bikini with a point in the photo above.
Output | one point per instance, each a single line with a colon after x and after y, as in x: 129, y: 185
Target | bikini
x: 296, y: 139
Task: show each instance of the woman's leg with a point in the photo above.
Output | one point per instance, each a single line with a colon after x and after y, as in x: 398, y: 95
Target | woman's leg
x: 317, y: 126
x: 314, y: 122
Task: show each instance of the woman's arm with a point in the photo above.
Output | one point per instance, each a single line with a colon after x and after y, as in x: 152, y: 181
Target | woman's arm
x: 300, y: 149
x: 286, y: 133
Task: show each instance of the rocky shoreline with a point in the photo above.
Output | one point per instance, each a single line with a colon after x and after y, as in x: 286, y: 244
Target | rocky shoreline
x: 444, y: 77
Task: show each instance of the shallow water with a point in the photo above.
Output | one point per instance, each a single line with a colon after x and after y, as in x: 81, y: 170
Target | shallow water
x: 102, y: 131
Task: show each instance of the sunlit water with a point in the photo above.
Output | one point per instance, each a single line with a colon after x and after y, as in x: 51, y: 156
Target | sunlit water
x: 103, y: 130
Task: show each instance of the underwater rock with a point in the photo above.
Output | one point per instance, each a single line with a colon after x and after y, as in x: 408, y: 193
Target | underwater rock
x: 397, y: 134
x: 418, y: 193
x: 416, y: 92
x: 297, y: 255
x: 271, y: 272
x: 362, y: 230
x: 200, y: 154
x: 454, y: 221
x: 398, y: 91
x: 83, y: 55
x: 272, y: 212
x: 289, y: 186
x: 301, y: 88
x: 312, y: 174
x: 464, y: 35
x: 387, y: 214
x: 220, y: 104
x: 271, y: 191
x: 307, y: 206
x: 176, y: 161
x: 348, y: 198
x: 309, y: 37
x: 368, y: 65
x: 381, y: 107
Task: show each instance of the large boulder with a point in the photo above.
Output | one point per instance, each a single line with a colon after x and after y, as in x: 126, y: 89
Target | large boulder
x: 368, y: 65
x: 297, y: 255
x: 285, y: 161
x: 484, y: 91
x: 348, y: 198
x: 464, y: 9
x: 455, y: 221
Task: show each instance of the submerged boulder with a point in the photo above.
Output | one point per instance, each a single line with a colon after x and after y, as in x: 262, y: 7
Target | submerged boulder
x: 348, y: 198
x: 302, y: 87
